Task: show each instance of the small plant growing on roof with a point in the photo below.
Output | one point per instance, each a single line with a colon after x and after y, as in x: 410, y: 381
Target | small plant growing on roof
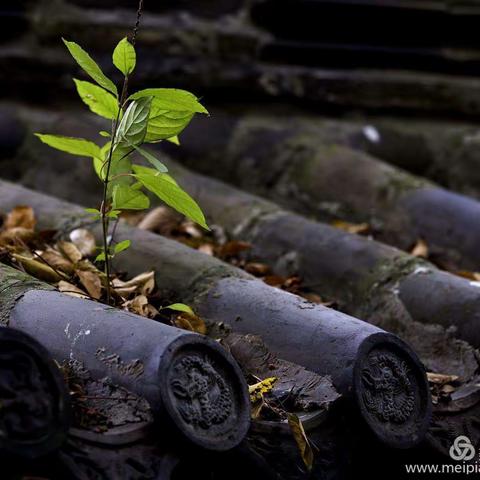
x: 147, y: 116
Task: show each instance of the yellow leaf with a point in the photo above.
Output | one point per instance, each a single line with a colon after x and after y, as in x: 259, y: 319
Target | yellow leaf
x: 300, y: 436
x: 38, y: 269
x: 258, y: 390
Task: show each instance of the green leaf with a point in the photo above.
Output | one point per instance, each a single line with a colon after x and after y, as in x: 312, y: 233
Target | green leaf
x: 100, y: 257
x: 103, y: 133
x: 113, y: 214
x: 93, y: 211
x: 162, y: 186
x: 164, y: 124
x: 124, y: 57
x: 72, y: 145
x: 133, y: 126
x: 99, y: 101
x: 180, y: 307
x: 175, y: 140
x: 90, y: 67
x: 127, y: 198
x: 156, y: 163
x: 120, y: 247
x: 172, y: 99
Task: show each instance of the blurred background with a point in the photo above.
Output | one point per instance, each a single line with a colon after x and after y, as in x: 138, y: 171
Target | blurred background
x: 405, y: 71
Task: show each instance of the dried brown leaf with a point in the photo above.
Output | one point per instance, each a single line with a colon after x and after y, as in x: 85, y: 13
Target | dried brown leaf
x: 420, y: 249
x: 144, y: 284
x: 21, y: 216
x: 57, y: 261
x: 274, y: 280
x: 71, y: 289
x: 70, y: 250
x: 300, y: 436
x: 162, y: 220
x: 84, y: 240
x: 475, y: 276
x: 314, y: 298
x: 448, y: 389
x: 92, y: 283
x: 190, y: 229
x: 206, y: 248
x: 190, y: 322
x: 257, y: 269
x: 140, y: 306
x: 16, y: 234
x: 357, y: 228
x: 233, y: 248
x: 441, y: 379
x: 88, y: 266
x: 124, y: 292
x: 37, y: 268
x: 257, y: 408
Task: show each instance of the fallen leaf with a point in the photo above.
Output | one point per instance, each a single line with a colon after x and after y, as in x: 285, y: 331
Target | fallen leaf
x: 21, y: 216
x: 70, y: 250
x: 206, y: 248
x: 13, y: 235
x: 91, y: 281
x: 357, y: 228
x: 191, y: 322
x: 190, y: 229
x: 300, y: 436
x: 258, y: 390
x: 143, y: 284
x: 140, y: 306
x: 467, y: 274
x: 124, y: 292
x: 256, y: 409
x: 233, y: 248
x: 70, y: 289
x: 314, y: 298
x: 274, y: 280
x: 57, y: 261
x: 448, y: 389
x: 38, y: 269
x: 84, y: 240
x: 420, y: 249
x: 257, y: 269
x: 441, y: 379
x: 162, y: 220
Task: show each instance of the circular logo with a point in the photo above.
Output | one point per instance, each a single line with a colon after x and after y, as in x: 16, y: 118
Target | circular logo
x: 462, y: 449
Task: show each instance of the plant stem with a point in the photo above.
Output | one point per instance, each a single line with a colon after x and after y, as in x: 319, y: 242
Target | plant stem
x: 106, y: 181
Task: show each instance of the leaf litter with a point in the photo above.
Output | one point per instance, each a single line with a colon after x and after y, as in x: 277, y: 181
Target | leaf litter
x: 70, y: 266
